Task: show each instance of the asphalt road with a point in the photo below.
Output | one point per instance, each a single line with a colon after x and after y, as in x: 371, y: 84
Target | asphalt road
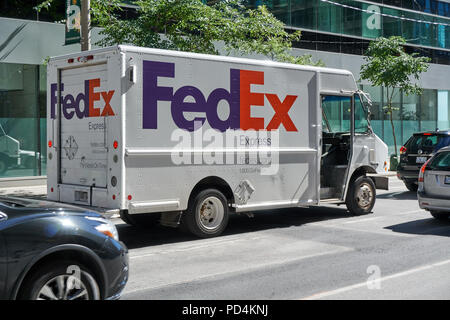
x: 398, y: 252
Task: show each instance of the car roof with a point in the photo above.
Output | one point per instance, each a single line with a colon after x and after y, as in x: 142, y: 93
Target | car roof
x: 444, y: 149
x: 439, y: 132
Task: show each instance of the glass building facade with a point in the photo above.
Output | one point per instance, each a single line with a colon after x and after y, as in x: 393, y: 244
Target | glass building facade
x: 425, y: 24
x: 22, y: 120
x: 429, y: 111
x: 366, y: 19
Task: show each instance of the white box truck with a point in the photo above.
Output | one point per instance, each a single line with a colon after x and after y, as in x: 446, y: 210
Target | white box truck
x: 190, y: 138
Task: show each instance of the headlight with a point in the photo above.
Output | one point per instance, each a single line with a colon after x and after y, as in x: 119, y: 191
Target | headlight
x: 106, y: 227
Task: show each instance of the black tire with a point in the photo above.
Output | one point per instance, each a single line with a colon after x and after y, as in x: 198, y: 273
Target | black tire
x: 411, y: 186
x: 207, y: 214
x: 44, y: 281
x: 441, y: 216
x: 144, y: 220
x: 361, y: 196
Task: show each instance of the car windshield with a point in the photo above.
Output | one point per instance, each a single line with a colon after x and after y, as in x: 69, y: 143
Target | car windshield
x: 440, y: 162
x: 429, y: 143
x: 12, y: 203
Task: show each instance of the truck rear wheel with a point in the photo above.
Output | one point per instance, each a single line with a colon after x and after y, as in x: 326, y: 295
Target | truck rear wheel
x: 207, y: 214
x: 361, y: 196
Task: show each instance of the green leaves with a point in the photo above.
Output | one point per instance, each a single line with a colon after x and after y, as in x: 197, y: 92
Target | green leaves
x: 389, y: 66
x: 190, y: 25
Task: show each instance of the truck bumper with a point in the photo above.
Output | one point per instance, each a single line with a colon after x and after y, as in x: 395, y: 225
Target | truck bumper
x: 380, y: 181
x: 433, y: 203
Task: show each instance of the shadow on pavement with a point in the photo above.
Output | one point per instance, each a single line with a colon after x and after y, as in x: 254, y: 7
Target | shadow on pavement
x: 404, y: 195
x: 136, y: 237
x: 429, y: 226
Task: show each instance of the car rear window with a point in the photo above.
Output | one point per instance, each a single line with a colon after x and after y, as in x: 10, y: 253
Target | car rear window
x: 440, y: 162
x: 428, y: 143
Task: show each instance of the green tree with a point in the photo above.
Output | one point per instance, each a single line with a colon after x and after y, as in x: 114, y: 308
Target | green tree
x: 191, y: 25
x: 389, y: 66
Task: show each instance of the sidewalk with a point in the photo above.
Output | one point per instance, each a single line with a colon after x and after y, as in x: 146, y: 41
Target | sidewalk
x: 35, y: 192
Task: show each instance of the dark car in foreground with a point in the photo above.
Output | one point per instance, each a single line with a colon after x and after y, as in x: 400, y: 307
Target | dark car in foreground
x: 50, y: 251
x: 416, y: 151
x: 434, y: 185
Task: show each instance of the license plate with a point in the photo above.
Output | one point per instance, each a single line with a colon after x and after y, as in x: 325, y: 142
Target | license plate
x: 421, y: 159
x: 447, y: 180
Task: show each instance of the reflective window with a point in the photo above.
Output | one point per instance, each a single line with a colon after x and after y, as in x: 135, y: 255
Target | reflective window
x: 361, y: 124
x: 440, y: 162
x: 22, y: 120
x: 336, y: 113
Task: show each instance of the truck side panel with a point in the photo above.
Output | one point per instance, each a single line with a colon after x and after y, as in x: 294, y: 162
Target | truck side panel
x: 188, y: 119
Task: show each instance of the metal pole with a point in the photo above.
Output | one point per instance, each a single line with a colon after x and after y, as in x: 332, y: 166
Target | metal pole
x: 85, y: 25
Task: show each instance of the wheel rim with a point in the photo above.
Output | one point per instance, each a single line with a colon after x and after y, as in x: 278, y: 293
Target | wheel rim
x: 364, y: 196
x: 63, y: 287
x: 211, y: 213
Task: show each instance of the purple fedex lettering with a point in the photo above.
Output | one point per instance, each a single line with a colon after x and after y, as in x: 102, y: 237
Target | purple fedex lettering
x: 71, y: 106
x: 152, y: 93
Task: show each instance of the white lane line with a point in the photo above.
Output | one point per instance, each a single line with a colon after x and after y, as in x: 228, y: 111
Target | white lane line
x: 247, y: 270
x: 192, y: 247
x: 364, y: 284
x: 361, y: 220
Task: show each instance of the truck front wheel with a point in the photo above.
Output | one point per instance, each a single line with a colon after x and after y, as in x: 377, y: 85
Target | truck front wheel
x: 207, y: 214
x: 361, y: 196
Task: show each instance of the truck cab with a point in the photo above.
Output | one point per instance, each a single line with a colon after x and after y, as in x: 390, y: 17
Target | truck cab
x: 352, y: 155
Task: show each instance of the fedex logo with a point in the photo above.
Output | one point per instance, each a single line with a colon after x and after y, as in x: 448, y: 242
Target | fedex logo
x: 70, y: 105
x: 239, y: 97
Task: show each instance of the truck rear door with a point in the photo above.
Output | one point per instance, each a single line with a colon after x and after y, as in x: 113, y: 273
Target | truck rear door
x: 83, y: 152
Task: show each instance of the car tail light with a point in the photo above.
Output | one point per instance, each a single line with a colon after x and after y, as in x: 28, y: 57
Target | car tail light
x: 422, y: 171
x: 403, y: 150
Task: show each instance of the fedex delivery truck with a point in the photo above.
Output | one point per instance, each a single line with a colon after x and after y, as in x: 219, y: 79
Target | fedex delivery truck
x: 190, y: 138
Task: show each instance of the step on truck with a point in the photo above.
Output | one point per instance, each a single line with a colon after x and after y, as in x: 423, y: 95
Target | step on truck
x: 187, y: 139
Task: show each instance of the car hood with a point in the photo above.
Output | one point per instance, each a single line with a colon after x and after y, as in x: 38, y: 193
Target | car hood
x: 14, y: 206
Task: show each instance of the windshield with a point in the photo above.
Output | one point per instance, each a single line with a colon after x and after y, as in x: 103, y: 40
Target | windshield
x: 427, y: 143
x: 336, y: 114
x: 361, y: 116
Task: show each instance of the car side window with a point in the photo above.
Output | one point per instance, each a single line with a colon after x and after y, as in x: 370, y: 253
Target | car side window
x: 441, y: 162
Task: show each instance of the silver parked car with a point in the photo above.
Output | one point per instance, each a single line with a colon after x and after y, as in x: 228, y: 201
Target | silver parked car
x: 434, y: 185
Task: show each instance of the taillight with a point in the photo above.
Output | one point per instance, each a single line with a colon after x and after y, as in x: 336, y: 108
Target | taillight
x: 422, y: 171
x: 403, y: 150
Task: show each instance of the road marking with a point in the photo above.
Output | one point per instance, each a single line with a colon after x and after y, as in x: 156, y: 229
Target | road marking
x: 247, y: 270
x: 193, y: 247
x: 361, y: 220
x: 364, y: 284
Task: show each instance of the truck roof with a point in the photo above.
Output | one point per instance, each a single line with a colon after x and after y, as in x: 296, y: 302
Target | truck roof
x: 162, y: 52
